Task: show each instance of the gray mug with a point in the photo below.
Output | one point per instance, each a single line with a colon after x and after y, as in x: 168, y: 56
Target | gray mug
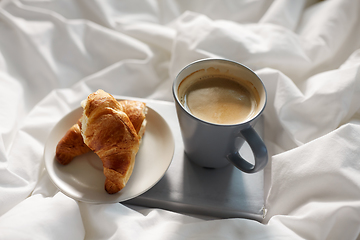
x: 214, y: 145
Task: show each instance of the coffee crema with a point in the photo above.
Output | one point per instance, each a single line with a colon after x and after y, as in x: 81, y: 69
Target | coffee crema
x: 219, y: 99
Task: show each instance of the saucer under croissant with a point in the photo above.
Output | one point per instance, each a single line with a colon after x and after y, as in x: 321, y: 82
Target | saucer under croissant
x: 121, y: 147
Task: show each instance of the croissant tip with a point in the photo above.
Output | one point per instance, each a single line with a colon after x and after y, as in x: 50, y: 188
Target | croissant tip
x: 111, y: 187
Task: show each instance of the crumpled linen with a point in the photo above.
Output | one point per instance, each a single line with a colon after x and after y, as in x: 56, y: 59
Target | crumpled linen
x: 54, y: 53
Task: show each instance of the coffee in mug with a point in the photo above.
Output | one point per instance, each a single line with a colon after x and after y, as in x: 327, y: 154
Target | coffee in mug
x: 218, y: 98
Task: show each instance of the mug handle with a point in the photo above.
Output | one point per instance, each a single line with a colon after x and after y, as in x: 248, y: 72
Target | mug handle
x: 258, y: 148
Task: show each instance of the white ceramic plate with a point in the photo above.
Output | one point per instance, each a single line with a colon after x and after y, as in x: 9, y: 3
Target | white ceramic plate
x: 83, y: 179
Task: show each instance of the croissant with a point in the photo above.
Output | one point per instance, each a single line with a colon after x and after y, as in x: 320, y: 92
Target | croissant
x: 72, y: 143
x: 136, y: 112
x: 107, y: 130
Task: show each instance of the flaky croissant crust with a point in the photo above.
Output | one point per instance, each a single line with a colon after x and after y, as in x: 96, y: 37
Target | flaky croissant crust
x: 111, y: 129
x: 71, y: 145
x: 108, y: 131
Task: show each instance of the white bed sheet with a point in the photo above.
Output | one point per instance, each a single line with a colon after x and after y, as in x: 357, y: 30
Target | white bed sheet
x: 53, y: 53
